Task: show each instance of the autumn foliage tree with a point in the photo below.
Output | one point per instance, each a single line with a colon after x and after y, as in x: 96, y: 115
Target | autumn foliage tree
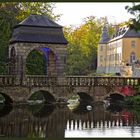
x: 83, y: 43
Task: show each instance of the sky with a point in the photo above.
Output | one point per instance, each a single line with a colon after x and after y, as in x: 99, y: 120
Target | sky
x: 74, y: 13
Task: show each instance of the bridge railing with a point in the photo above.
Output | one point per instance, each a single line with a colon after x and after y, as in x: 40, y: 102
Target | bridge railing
x: 102, y: 81
x: 40, y: 80
x: 7, y: 80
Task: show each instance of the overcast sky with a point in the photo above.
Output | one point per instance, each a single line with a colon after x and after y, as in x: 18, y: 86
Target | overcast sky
x: 74, y: 13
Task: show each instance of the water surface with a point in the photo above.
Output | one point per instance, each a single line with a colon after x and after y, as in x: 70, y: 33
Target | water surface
x: 45, y: 121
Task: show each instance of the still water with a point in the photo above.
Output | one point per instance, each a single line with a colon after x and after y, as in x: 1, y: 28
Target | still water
x: 45, y: 121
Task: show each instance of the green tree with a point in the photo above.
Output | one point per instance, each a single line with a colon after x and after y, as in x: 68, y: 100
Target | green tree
x: 7, y: 20
x: 135, y: 11
x: 42, y: 8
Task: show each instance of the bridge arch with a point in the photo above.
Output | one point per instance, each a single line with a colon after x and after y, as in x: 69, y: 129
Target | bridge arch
x: 5, y: 110
x: 7, y: 99
x: 115, y: 95
x: 46, y: 95
x: 85, y: 97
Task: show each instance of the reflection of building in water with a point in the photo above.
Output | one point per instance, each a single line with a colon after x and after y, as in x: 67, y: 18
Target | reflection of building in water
x: 21, y: 123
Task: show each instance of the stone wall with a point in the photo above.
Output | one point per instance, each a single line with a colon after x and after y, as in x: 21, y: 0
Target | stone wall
x: 22, y: 51
x: 20, y: 94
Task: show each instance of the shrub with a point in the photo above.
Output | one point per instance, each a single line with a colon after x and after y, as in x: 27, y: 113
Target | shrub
x: 129, y: 100
x: 133, y: 100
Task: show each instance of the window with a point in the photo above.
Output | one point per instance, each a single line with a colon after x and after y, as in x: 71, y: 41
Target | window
x: 132, y: 57
x: 101, y: 58
x: 116, y: 56
x: 101, y: 48
x: 133, y: 44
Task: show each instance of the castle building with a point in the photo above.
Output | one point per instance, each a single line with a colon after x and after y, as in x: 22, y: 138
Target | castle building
x: 122, y: 49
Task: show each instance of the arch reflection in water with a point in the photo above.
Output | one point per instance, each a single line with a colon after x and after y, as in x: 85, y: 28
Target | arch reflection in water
x: 42, y: 110
x: 114, y: 103
x: 5, y: 109
x: 114, y: 108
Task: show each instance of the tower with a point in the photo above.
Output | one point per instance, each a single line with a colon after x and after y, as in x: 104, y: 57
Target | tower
x: 102, y: 51
x: 38, y: 32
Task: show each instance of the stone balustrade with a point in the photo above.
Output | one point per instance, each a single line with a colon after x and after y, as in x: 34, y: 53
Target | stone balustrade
x: 7, y: 80
x: 42, y: 80
x: 102, y: 81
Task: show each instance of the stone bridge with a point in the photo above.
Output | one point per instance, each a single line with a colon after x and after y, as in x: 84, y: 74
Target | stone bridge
x: 56, y: 88
x: 41, y: 34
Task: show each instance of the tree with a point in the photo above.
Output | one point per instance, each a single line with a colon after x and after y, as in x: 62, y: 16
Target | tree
x: 83, y: 43
x: 42, y: 8
x: 7, y: 20
x: 134, y: 10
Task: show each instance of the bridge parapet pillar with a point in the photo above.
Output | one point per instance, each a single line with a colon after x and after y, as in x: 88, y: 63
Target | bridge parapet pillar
x: 61, y: 80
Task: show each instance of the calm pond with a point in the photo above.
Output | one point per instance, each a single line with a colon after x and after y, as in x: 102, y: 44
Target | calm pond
x: 45, y: 121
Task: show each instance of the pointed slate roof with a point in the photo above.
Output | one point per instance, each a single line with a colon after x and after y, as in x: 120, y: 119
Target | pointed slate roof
x: 38, y: 29
x: 38, y: 20
x: 104, y: 36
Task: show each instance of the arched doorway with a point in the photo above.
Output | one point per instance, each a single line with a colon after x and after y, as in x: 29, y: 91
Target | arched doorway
x: 41, y: 61
x: 132, y: 57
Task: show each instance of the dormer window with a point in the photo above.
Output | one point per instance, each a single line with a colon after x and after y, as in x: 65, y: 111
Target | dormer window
x: 133, y: 44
